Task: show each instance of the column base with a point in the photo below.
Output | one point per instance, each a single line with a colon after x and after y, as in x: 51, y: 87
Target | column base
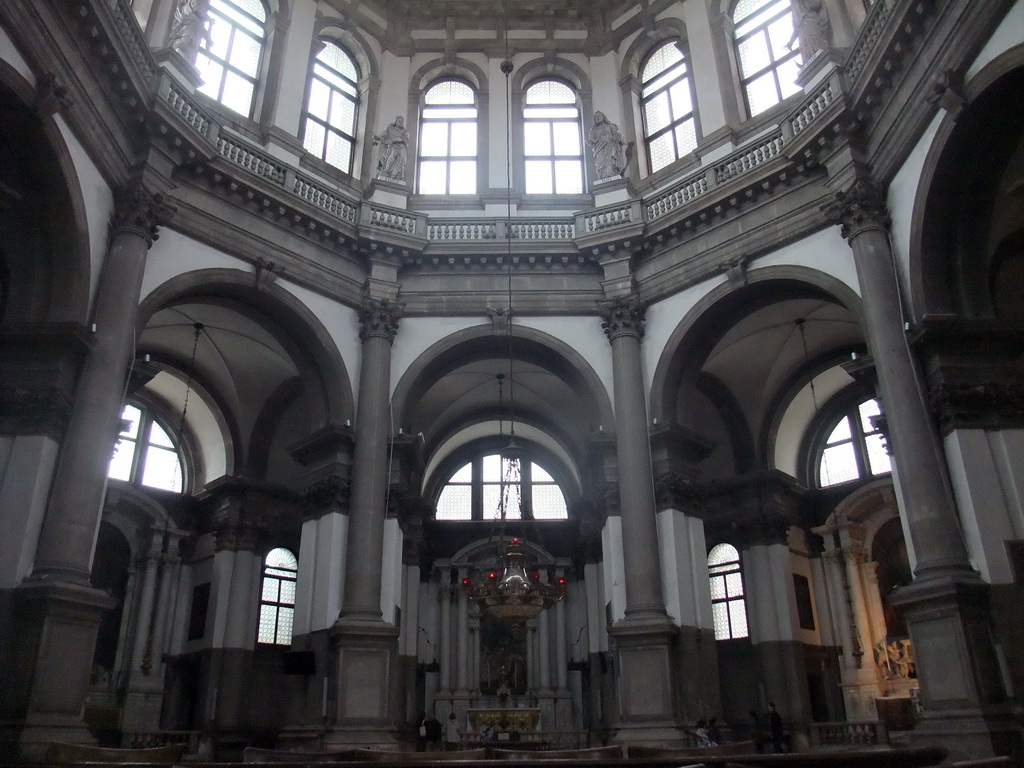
x: 364, y: 714
x: 49, y: 660
x: 645, y: 682
x: 970, y: 734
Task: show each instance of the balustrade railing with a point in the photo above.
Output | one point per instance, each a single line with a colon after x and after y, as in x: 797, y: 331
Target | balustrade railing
x: 863, y: 733
x: 150, y: 739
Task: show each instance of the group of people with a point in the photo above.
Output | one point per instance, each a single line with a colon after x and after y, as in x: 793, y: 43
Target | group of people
x: 764, y: 732
x: 434, y: 737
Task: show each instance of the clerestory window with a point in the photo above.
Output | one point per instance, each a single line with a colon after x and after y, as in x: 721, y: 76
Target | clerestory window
x: 854, y: 447
x: 448, y: 140
x: 553, y: 139
x: 480, y: 489
x: 329, y: 120
x: 666, y: 100
x: 229, y: 56
x: 728, y: 601
x: 277, y: 597
x: 145, y: 454
x: 767, y: 52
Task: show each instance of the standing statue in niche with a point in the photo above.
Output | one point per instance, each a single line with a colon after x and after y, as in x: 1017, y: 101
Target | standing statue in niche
x: 190, y: 28
x: 612, y: 153
x: 392, y: 150
x: 811, y: 28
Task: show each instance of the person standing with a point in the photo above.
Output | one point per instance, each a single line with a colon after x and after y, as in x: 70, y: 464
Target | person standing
x: 775, y: 727
x: 451, y: 733
x: 434, y: 734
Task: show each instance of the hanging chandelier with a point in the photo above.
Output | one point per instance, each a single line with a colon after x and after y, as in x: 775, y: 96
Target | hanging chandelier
x: 509, y: 592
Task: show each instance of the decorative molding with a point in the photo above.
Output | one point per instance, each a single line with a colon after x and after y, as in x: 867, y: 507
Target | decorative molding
x: 672, y: 491
x: 622, y: 316
x: 379, y: 317
x: 52, y: 95
x: 984, y: 405
x: 330, y: 493
x: 34, y: 412
x: 859, y: 209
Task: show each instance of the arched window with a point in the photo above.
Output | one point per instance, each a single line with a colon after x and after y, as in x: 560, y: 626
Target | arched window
x: 854, y: 447
x: 329, y: 121
x: 477, y: 490
x: 553, y: 139
x: 447, y: 141
x: 229, y: 58
x: 728, y: 605
x: 767, y: 51
x: 666, y: 99
x: 145, y: 453
x: 277, y: 598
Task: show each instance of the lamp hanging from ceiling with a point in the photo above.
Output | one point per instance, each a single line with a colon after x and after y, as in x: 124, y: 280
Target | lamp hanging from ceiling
x: 510, y: 592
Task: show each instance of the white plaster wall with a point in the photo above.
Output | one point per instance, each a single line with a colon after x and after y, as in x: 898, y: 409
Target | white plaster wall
x: 9, y: 53
x: 586, y: 337
x: 321, y: 576
x: 234, y: 597
x: 175, y: 254
x: 987, y: 471
x: 771, y: 603
x: 391, y: 571
x: 662, y: 320
x: 295, y: 67
x: 604, y: 79
x: 26, y: 470
x: 304, y: 578
x: 823, y: 251
x: 704, y: 68
x: 824, y: 608
x: 613, y: 567
x: 1009, y: 33
x: 97, y: 198
x: 416, y: 336
x: 684, y: 569
x: 342, y: 324
x: 593, y: 581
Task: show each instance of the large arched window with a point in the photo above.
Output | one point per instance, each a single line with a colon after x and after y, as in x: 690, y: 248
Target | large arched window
x: 854, y: 446
x: 728, y: 604
x: 448, y: 140
x: 145, y: 453
x: 666, y: 99
x: 277, y: 597
x: 329, y: 121
x: 767, y: 52
x: 229, y: 58
x: 553, y: 139
x: 477, y: 490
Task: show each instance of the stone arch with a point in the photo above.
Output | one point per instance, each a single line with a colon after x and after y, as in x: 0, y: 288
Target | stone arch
x: 49, y: 262
x: 946, y: 274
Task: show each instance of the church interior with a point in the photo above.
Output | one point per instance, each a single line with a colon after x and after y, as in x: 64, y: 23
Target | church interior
x: 572, y: 372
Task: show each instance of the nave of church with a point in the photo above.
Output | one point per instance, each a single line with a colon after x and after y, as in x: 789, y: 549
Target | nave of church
x: 577, y: 371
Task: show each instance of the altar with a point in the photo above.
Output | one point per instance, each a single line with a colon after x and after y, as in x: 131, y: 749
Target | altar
x: 504, y: 724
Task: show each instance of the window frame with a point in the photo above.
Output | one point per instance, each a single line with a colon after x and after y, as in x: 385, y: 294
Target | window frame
x: 333, y: 92
x: 226, y: 67
x: 149, y: 414
x: 474, y: 457
x: 773, y: 66
x: 845, y: 404
x: 552, y: 158
x: 276, y: 605
x: 646, y: 97
x: 448, y: 159
x: 740, y: 598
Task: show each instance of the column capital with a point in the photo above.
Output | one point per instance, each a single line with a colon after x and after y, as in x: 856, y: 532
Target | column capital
x: 862, y: 207
x: 139, y: 211
x: 622, y: 316
x: 379, y: 317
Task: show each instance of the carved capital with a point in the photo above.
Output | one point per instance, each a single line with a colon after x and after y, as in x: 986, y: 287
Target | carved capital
x: 978, y: 405
x: 623, y: 316
x: 140, y: 212
x: 379, y: 317
x: 330, y: 493
x: 860, y: 208
x: 675, y: 492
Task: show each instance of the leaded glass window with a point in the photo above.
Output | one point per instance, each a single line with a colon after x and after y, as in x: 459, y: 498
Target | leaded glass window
x: 666, y: 100
x: 229, y: 56
x: 767, y: 52
x: 277, y: 597
x: 855, y: 447
x: 728, y: 602
x: 329, y: 126
x: 448, y: 140
x: 492, y: 485
x: 553, y: 145
x: 145, y: 453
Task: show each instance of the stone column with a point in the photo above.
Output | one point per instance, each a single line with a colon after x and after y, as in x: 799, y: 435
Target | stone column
x: 462, y: 640
x: 366, y: 646
x: 444, y: 594
x: 645, y: 670
x: 56, y: 614
x: 947, y: 605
